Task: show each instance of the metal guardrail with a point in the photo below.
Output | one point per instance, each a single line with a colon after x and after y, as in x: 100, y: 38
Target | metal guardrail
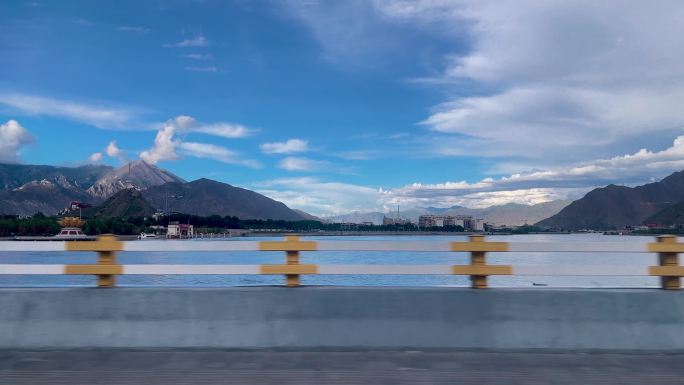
x: 107, y: 268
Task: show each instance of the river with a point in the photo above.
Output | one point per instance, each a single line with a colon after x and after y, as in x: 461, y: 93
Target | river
x: 422, y: 258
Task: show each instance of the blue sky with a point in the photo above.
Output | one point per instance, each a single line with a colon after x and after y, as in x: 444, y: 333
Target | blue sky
x: 338, y: 106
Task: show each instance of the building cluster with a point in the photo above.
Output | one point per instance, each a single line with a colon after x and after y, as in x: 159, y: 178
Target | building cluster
x: 395, y: 221
x: 466, y: 221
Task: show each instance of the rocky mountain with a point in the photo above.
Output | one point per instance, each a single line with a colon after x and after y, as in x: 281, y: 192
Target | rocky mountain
x: 40, y: 196
x: 206, y: 197
x: 136, y: 174
x: 17, y: 175
x: 127, y: 203
x: 615, y: 207
x: 27, y: 189
x: 511, y: 214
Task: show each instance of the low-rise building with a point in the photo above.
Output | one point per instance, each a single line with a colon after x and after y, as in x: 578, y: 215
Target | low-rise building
x: 395, y: 221
x: 180, y: 230
x: 466, y: 221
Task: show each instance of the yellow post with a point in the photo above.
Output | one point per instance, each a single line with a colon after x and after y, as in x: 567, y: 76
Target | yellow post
x: 478, y: 258
x: 292, y: 258
x: 668, y: 259
x: 106, y: 258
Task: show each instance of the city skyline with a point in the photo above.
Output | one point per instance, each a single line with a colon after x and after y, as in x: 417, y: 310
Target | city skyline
x: 332, y: 107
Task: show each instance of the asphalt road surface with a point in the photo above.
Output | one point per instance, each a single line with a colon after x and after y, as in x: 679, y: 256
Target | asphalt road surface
x: 209, y: 367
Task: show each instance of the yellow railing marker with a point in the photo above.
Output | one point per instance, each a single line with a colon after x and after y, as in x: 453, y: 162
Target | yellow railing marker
x: 669, y: 270
x: 107, y: 269
x: 291, y: 246
x: 478, y: 269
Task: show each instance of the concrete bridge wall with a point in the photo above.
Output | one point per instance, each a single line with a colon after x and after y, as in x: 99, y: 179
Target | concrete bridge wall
x: 338, y: 317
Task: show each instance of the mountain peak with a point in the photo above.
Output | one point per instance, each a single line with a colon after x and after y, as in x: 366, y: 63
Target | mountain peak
x: 136, y: 174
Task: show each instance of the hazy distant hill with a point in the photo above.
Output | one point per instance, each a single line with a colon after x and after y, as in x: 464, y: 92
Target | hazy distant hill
x: 136, y: 174
x: 127, y: 203
x: 511, y: 214
x: 207, y: 197
x: 619, y: 206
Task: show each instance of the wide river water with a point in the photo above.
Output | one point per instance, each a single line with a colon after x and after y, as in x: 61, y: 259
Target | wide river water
x: 389, y: 258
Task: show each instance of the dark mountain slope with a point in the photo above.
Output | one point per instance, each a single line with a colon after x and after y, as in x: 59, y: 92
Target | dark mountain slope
x: 619, y: 206
x: 207, y: 197
x: 127, y: 203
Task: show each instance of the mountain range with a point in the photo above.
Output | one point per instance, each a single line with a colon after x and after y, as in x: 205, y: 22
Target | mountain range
x: 511, y: 214
x: 616, y: 207
x: 28, y: 189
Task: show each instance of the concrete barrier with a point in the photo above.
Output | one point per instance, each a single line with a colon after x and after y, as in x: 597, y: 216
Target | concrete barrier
x: 342, y: 318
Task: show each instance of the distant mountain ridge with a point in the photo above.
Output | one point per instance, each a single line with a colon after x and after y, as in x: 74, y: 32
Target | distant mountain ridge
x: 16, y: 175
x: 614, y: 206
x: 27, y: 189
x: 511, y: 214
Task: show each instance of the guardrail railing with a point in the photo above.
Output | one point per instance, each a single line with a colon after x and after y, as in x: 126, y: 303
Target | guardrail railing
x: 107, y: 268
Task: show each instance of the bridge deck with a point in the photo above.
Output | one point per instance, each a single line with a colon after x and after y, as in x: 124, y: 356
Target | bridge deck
x: 169, y: 367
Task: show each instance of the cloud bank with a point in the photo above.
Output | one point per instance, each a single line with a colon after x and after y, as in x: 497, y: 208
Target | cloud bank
x: 12, y: 138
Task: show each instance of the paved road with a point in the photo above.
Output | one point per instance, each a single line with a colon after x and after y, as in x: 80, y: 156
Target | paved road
x: 172, y: 367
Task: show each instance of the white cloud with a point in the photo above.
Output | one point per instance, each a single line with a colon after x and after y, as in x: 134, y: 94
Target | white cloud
x: 166, y: 144
x: 536, y: 80
x: 289, y: 147
x: 113, y: 150
x: 569, y: 76
x: 12, y: 138
x: 83, y: 22
x: 225, y: 130
x: 164, y: 147
x: 95, y: 158
x: 128, y: 28
x: 533, y: 187
x: 98, y: 116
x: 202, y: 69
x: 545, y: 185
x: 197, y: 56
x: 320, y: 197
x: 188, y: 124
x: 197, y: 41
x: 292, y: 163
x: 221, y: 154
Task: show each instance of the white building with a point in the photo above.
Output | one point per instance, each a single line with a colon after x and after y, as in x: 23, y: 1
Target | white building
x: 180, y: 230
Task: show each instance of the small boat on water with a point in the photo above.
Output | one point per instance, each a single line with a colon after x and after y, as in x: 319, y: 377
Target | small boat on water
x: 147, y: 236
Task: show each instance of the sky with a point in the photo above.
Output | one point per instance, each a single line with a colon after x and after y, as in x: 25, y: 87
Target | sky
x: 339, y: 106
